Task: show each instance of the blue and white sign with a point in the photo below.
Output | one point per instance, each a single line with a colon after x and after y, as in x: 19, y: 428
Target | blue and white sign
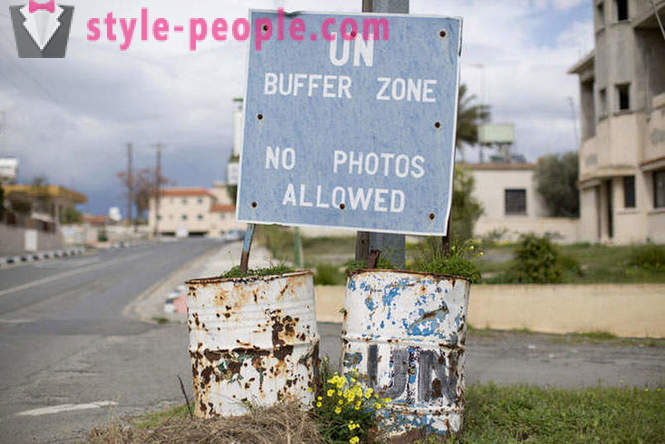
x: 353, y: 133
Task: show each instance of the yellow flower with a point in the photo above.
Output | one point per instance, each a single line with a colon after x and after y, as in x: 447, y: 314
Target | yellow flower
x: 309, y: 389
x: 377, y: 405
x: 330, y: 393
x: 319, y: 398
x: 339, y: 393
x: 338, y: 410
x: 318, y: 404
x: 354, y: 440
x: 386, y: 400
x: 340, y: 402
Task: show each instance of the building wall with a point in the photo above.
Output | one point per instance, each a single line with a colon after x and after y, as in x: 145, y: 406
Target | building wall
x: 223, y: 221
x: 12, y: 240
x: 489, y: 190
x: 191, y: 212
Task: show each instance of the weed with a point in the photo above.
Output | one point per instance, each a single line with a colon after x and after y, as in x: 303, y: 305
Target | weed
x: 277, y: 269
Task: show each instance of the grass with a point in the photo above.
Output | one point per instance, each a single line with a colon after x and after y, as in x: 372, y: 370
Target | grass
x: 269, y: 271
x: 160, y: 320
x: 583, y: 264
x: 494, y: 414
x: 509, y: 414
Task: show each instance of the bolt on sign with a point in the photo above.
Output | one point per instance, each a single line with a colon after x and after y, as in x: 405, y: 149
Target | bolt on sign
x: 355, y: 130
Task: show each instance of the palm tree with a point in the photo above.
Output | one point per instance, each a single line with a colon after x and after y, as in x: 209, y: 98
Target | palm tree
x: 469, y: 116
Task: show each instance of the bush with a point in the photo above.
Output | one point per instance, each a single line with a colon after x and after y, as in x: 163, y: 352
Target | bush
x: 327, y: 274
x: 648, y: 257
x: 536, y: 261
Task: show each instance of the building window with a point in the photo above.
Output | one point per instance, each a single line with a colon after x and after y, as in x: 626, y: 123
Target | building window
x: 515, y: 201
x: 602, y: 102
x: 600, y: 14
x: 184, y: 217
x: 159, y: 217
x: 629, y: 192
x: 200, y: 217
x: 222, y: 216
x: 623, y: 96
x: 622, y: 10
x: 659, y: 189
x: 200, y: 200
x: 184, y: 201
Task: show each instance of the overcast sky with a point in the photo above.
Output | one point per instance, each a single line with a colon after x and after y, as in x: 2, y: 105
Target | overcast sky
x: 70, y: 119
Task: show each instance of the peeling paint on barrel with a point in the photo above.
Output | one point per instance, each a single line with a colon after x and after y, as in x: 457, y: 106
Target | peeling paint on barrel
x: 253, y: 341
x: 404, y: 334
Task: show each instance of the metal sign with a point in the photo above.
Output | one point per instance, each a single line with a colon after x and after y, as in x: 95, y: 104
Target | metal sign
x: 496, y: 133
x: 351, y: 133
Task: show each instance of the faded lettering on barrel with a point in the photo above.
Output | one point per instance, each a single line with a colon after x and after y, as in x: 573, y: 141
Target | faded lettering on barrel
x: 411, y: 365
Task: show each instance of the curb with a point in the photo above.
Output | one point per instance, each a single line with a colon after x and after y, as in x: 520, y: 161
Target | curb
x: 40, y: 255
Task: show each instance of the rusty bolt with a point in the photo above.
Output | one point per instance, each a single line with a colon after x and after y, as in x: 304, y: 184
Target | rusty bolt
x: 442, y: 34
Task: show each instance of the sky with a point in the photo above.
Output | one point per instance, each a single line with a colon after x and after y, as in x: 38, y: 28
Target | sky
x: 70, y: 119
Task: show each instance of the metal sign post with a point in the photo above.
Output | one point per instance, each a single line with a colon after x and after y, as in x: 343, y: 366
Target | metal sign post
x: 393, y: 246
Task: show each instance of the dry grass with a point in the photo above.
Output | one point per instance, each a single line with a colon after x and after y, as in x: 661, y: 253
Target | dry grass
x: 280, y: 424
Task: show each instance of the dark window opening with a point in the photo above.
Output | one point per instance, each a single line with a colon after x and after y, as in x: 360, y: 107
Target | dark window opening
x: 659, y: 189
x: 629, y: 192
x: 602, y: 102
x: 515, y: 201
x: 623, y: 92
x: 622, y: 9
x: 600, y: 12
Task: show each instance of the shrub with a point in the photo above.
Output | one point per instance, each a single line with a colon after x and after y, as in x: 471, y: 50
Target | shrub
x: 327, y: 274
x: 648, y: 257
x: 536, y: 262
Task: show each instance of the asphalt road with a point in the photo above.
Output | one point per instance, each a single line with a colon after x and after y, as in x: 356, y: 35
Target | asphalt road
x: 64, y: 340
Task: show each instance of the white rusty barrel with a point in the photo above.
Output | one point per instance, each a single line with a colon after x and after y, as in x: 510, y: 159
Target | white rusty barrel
x: 253, y: 341
x: 404, y: 333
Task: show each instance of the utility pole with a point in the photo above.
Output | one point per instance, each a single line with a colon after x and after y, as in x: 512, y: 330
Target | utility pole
x: 392, y: 246
x: 158, y: 186
x: 130, y: 183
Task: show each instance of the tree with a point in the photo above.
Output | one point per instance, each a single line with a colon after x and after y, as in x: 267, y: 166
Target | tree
x: 70, y: 215
x: 465, y: 209
x: 556, y: 178
x: 143, y: 188
x: 2, y: 203
x: 469, y: 116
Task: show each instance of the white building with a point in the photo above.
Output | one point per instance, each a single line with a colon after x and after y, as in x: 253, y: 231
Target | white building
x: 622, y: 100
x: 512, y: 206
x: 194, y: 212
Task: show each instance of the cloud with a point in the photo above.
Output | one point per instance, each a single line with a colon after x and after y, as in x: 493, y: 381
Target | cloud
x: 71, y: 119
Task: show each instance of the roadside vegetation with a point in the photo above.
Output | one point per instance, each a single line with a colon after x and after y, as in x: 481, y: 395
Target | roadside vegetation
x: 506, y: 414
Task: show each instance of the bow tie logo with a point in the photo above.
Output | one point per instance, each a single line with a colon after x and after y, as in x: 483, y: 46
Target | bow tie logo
x: 48, y: 6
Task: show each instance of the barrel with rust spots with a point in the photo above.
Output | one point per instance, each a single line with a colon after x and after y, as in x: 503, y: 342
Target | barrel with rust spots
x: 404, y: 334
x: 253, y: 341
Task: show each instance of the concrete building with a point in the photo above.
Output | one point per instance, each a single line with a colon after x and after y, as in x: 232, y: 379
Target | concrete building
x: 622, y: 101
x: 194, y: 212
x: 512, y: 206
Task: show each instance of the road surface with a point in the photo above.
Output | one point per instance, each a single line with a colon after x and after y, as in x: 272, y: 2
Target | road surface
x: 64, y: 340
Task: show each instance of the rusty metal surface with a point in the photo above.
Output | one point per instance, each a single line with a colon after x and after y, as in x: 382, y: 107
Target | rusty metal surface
x: 404, y: 333
x: 252, y: 341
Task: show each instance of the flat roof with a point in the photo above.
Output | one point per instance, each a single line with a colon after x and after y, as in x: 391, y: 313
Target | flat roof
x: 583, y: 64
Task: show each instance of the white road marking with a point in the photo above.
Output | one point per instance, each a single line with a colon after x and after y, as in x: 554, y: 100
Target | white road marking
x: 66, y: 408
x: 70, y: 273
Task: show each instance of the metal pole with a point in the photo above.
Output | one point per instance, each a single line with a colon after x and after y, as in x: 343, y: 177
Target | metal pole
x: 130, y: 183
x: 392, y: 246
x: 158, y: 187
x: 244, y: 258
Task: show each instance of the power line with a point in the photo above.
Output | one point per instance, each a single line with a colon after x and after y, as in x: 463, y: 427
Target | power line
x: 660, y: 24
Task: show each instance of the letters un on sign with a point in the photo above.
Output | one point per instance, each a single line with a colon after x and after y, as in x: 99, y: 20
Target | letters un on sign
x: 353, y: 133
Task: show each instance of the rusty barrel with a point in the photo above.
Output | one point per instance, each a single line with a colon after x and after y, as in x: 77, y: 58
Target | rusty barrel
x: 404, y: 334
x: 252, y: 341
